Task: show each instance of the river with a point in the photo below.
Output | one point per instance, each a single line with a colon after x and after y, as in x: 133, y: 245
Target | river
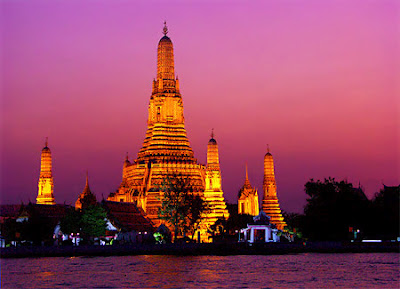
x: 308, y: 270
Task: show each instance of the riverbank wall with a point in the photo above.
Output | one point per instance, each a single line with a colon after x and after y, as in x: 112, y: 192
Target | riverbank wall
x: 191, y: 249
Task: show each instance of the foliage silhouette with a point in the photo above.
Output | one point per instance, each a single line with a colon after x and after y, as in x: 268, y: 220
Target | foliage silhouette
x: 333, y: 208
x: 93, y: 221
x: 181, y: 207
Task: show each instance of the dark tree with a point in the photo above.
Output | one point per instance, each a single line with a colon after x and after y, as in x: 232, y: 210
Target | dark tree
x: 294, y: 223
x: 11, y: 230
x: 38, y: 229
x: 71, y: 223
x: 93, y: 221
x: 180, y: 206
x: 198, y: 207
x: 236, y: 221
x: 385, y: 213
x: 333, y: 208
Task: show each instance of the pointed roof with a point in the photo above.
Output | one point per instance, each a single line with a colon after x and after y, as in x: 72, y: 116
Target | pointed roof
x: 165, y: 29
x: 212, y: 140
x: 86, y: 190
x: 46, y: 148
x: 246, y: 181
x: 246, y: 189
x: 86, y: 197
x: 268, y: 153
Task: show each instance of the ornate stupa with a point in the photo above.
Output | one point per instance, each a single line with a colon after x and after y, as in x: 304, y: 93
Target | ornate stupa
x: 86, y: 198
x: 46, y: 184
x: 213, y: 192
x: 270, y: 204
x: 166, y: 151
x: 248, y: 198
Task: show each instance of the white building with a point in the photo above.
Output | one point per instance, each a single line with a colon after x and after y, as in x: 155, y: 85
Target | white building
x: 261, y: 231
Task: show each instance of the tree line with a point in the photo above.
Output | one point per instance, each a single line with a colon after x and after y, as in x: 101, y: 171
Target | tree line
x: 335, y: 210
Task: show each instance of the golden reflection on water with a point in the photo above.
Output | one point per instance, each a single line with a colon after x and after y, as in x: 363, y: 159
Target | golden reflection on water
x: 46, y: 274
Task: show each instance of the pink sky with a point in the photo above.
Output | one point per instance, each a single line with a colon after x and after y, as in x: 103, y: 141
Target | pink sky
x: 319, y: 81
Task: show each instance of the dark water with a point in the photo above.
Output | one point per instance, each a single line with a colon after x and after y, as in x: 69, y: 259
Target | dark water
x: 283, y: 271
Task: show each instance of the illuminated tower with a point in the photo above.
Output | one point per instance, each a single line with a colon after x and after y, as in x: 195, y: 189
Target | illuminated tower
x: 86, y: 198
x: 213, y: 192
x: 270, y: 204
x: 46, y: 186
x: 166, y: 149
x: 248, y: 199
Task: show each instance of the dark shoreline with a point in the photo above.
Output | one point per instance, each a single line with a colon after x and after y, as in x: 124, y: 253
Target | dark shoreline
x: 200, y: 249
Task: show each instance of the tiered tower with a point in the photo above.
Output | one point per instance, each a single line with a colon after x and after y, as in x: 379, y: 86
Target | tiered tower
x: 213, y: 192
x: 86, y: 198
x: 248, y: 199
x: 270, y: 204
x: 46, y: 185
x: 166, y: 150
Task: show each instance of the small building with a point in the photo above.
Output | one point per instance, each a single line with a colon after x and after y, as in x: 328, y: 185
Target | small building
x: 261, y: 231
x: 248, y: 198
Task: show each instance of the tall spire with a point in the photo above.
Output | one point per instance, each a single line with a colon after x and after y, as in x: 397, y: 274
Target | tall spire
x: 270, y: 204
x: 166, y: 151
x: 212, y: 152
x: 45, y: 185
x: 247, y: 181
x: 165, y: 61
x: 47, y: 140
x: 213, y: 193
x: 87, y: 182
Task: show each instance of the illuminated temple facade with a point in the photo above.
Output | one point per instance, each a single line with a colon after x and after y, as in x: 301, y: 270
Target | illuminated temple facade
x: 166, y: 151
x: 270, y: 203
x: 248, y: 199
x: 46, y: 184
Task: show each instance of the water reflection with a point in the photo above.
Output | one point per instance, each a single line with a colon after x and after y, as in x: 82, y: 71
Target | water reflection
x: 303, y: 270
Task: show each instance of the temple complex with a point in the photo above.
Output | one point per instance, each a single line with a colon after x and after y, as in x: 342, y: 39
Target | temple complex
x: 46, y: 185
x: 166, y: 151
x: 86, y: 198
x: 248, y: 199
x: 270, y: 204
x: 213, y: 192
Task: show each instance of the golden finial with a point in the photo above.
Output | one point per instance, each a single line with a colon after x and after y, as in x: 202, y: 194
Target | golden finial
x: 47, y: 139
x: 212, y: 133
x: 127, y: 156
x: 165, y: 29
x: 247, y: 175
x: 267, y: 148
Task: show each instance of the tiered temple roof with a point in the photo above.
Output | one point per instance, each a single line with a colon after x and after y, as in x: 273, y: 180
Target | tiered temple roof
x: 166, y: 150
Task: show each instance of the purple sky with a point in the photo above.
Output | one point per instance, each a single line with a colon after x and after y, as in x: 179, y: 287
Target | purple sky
x: 319, y: 81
